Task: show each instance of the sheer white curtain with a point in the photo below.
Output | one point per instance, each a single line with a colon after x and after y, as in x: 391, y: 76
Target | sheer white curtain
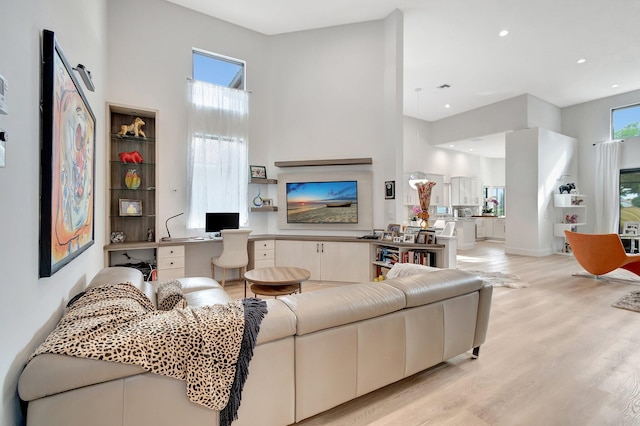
x: 217, y: 165
x: 607, y: 189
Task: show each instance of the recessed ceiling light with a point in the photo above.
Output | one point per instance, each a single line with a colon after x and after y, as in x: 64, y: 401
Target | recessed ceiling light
x: 470, y: 149
x: 613, y: 86
x: 503, y: 33
x: 451, y: 146
x: 447, y: 106
x: 581, y: 61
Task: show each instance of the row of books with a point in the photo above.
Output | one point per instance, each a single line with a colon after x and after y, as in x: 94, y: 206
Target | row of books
x: 419, y: 257
x: 392, y: 256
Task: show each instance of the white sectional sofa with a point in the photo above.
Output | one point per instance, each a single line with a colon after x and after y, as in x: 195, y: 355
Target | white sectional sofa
x: 315, y: 350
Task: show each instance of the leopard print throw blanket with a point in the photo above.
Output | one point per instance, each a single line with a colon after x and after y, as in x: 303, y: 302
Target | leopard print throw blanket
x: 209, y: 347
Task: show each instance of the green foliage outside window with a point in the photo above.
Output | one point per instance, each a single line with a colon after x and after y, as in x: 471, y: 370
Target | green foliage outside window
x: 625, y: 122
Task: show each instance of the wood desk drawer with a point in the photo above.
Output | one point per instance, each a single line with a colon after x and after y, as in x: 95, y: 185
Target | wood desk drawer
x: 170, y: 251
x: 170, y: 262
x: 264, y: 245
x: 265, y: 254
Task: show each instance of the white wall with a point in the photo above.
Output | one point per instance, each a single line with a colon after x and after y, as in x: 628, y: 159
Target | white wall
x: 155, y: 77
x: 510, y: 114
x: 317, y: 94
x: 536, y: 159
x: 332, y: 100
x: 30, y: 307
x: 590, y: 123
x: 421, y: 155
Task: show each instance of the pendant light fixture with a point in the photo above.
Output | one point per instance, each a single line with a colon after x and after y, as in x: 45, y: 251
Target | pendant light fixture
x: 417, y: 176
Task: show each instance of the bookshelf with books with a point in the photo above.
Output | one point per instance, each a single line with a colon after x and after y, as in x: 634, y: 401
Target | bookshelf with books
x: 387, y: 253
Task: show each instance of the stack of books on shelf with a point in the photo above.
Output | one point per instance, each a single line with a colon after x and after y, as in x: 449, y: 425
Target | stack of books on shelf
x: 418, y: 257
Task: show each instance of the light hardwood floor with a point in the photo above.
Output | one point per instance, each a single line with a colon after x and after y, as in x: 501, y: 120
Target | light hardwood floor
x: 556, y: 353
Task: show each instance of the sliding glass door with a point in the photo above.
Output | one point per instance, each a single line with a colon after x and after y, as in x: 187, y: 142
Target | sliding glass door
x: 629, y: 200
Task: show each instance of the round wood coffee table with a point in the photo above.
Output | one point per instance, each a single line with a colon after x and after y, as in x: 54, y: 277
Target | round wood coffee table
x: 276, y: 281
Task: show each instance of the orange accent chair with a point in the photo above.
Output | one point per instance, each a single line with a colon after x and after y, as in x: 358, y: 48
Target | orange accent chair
x: 599, y: 254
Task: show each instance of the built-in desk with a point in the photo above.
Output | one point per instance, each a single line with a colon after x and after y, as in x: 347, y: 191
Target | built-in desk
x: 191, y: 257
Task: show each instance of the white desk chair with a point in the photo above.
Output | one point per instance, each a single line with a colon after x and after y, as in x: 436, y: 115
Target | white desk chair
x: 234, y: 253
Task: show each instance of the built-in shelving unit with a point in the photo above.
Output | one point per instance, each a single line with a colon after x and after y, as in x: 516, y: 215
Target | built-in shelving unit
x: 573, y: 213
x: 132, y: 175
x: 386, y: 254
x: 264, y: 181
x: 332, y: 162
x: 263, y: 209
x: 132, y: 203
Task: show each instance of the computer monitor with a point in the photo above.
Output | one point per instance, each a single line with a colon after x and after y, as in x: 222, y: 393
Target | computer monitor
x: 216, y: 222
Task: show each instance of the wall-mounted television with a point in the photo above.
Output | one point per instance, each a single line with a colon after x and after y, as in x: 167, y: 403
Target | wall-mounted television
x: 216, y: 222
x: 322, y: 202
x: 327, y: 200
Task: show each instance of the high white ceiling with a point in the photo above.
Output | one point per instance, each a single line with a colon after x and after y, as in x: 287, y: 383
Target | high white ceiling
x: 456, y: 42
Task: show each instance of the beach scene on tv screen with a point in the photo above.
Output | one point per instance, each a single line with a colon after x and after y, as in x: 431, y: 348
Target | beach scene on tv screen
x: 322, y: 202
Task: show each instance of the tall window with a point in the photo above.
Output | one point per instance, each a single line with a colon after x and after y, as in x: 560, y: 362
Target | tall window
x: 218, y: 124
x: 625, y: 122
x: 498, y: 193
x: 218, y: 69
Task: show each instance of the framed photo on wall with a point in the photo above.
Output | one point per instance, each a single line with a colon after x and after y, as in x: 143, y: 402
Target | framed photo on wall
x: 258, y: 172
x: 67, y: 178
x: 390, y: 190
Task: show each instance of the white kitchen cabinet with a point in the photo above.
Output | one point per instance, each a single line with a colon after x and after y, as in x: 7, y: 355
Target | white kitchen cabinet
x: 410, y: 195
x: 480, y: 228
x: 466, y: 191
x: 326, y: 260
x: 437, y: 192
x: 489, y: 228
x: 499, y: 226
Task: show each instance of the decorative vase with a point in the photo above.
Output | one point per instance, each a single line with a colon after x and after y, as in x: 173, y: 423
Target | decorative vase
x: 257, y: 201
x: 132, y: 179
x: 424, y: 194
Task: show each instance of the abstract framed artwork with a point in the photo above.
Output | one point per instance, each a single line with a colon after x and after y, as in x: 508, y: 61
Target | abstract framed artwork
x: 67, y: 163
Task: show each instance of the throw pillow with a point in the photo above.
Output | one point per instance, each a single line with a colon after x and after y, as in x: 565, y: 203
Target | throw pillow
x: 407, y: 269
x: 169, y: 295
